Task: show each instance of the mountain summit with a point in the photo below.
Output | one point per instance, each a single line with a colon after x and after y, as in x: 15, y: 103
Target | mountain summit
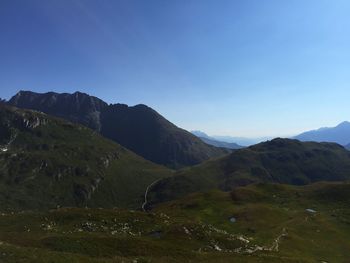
x: 138, y: 128
x: 77, y: 107
x: 339, y: 134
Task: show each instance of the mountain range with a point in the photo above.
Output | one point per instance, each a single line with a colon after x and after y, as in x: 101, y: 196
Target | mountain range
x: 212, y: 141
x: 243, y: 141
x: 71, y: 193
x: 236, y: 142
x: 339, y: 134
x: 139, y: 128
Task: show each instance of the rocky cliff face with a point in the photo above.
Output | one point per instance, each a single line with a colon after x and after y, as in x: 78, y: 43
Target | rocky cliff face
x: 138, y: 128
x: 77, y: 107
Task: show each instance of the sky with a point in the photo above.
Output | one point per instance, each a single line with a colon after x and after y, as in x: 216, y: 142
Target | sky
x: 246, y: 68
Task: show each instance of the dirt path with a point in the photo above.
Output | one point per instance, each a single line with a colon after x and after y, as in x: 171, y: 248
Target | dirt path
x: 275, y: 245
x: 6, y: 147
x: 147, y: 190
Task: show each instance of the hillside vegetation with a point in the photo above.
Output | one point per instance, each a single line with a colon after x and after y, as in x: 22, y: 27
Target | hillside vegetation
x: 257, y: 223
x: 47, y: 162
x: 278, y: 161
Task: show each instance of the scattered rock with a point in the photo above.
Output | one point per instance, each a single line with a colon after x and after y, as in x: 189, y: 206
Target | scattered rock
x: 187, y: 232
x: 310, y: 210
x: 217, y: 248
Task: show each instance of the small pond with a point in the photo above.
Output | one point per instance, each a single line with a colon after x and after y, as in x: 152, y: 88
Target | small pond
x: 232, y: 219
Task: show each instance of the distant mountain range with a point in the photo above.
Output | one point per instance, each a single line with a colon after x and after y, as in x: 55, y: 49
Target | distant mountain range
x: 235, y: 142
x: 138, y: 128
x: 210, y: 140
x: 339, y: 134
x: 242, y: 140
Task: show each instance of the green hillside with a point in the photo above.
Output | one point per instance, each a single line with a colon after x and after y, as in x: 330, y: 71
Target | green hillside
x: 48, y: 165
x: 257, y: 223
x: 47, y: 162
x: 278, y: 161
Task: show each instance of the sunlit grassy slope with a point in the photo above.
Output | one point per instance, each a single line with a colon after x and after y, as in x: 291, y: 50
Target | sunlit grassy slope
x: 272, y: 225
x: 47, y: 162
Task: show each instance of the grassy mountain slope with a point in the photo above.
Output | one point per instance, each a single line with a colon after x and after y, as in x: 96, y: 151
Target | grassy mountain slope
x: 279, y: 161
x: 139, y: 128
x: 47, y: 162
x: 271, y: 224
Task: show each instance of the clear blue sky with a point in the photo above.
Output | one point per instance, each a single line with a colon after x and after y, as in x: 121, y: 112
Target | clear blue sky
x: 235, y: 67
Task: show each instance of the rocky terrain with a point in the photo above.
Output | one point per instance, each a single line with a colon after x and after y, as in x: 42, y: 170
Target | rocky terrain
x: 139, y: 128
x: 47, y: 162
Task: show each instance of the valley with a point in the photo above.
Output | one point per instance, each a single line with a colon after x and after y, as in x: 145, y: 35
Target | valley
x: 174, y: 131
x: 70, y: 195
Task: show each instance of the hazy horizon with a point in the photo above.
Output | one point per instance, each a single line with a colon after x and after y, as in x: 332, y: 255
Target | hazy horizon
x: 236, y: 68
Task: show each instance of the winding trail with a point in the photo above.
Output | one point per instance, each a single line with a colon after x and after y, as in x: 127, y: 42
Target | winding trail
x: 4, y: 149
x: 275, y: 245
x: 147, y: 190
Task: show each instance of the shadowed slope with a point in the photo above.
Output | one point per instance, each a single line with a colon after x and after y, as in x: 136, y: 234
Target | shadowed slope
x: 139, y: 128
